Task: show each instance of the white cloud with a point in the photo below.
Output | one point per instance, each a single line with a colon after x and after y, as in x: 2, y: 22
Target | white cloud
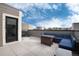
x: 55, y: 6
x: 74, y: 18
x: 29, y: 5
x: 50, y: 23
x: 71, y: 19
x: 43, y: 5
x: 21, y: 5
x: 54, y: 22
x: 73, y: 7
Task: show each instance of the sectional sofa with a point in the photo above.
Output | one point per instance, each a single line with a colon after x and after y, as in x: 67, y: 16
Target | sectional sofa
x: 65, y: 41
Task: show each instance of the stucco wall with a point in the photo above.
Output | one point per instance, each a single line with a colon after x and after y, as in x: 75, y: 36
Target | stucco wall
x: 6, y: 9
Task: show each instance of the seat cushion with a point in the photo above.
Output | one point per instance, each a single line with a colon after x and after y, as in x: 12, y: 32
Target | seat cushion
x: 66, y: 43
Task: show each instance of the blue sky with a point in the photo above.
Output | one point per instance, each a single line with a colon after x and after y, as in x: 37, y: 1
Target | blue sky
x: 48, y: 15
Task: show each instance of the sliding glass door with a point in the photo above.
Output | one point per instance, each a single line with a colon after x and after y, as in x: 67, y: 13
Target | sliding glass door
x: 11, y: 29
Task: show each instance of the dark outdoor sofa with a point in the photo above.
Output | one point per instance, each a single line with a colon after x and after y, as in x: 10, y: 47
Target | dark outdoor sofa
x: 64, y: 41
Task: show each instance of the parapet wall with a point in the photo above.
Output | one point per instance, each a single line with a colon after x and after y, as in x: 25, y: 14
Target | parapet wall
x: 38, y: 33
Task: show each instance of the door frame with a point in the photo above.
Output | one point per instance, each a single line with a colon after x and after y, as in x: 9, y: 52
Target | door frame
x: 4, y: 26
x: 16, y: 19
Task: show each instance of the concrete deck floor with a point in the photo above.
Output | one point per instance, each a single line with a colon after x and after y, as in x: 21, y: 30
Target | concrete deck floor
x: 30, y: 46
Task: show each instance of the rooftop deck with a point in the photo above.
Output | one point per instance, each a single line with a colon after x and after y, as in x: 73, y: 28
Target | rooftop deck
x: 29, y: 46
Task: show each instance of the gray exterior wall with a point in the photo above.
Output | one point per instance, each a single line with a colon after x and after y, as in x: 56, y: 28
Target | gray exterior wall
x: 0, y: 29
x: 4, y: 8
x: 75, y: 26
x: 76, y: 33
